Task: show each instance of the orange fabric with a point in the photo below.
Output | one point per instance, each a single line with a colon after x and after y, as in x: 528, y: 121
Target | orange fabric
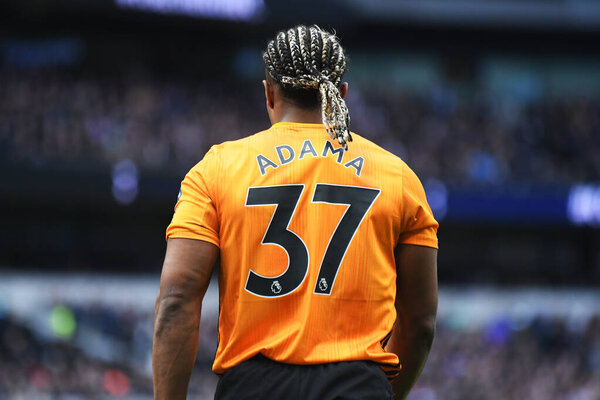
x: 342, y: 317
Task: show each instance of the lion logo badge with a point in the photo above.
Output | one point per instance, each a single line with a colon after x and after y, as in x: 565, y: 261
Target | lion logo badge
x: 276, y: 287
x: 323, y: 285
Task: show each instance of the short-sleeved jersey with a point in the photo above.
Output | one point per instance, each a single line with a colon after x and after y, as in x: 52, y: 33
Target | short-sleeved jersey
x: 306, y: 232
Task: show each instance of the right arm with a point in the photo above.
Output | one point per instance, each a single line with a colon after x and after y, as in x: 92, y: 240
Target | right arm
x: 185, y: 277
x: 416, y: 308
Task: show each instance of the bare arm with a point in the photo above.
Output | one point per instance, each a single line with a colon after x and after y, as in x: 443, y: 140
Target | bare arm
x: 185, y: 276
x: 416, y: 307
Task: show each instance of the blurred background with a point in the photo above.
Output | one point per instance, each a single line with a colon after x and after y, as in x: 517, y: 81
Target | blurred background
x: 105, y: 105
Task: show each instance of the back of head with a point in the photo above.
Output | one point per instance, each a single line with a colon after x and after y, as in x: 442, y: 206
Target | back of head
x: 308, y: 64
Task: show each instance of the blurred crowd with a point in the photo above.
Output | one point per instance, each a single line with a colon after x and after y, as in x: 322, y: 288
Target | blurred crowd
x: 57, y: 117
x: 38, y: 366
x: 52, y: 117
x: 546, y: 359
x: 94, y: 352
x: 107, y: 355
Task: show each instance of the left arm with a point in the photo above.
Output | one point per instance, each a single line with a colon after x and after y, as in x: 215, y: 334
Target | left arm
x: 416, y: 308
x: 185, y: 277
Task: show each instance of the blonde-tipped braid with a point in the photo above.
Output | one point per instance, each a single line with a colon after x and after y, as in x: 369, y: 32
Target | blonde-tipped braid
x: 309, y: 58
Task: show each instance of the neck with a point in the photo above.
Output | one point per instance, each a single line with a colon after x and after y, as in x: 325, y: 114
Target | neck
x: 296, y: 114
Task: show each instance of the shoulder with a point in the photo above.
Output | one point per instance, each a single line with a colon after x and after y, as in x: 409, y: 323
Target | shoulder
x: 382, y: 156
x: 245, y: 142
x: 223, y: 153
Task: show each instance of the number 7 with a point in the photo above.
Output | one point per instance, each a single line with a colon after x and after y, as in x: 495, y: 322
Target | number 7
x: 359, y: 200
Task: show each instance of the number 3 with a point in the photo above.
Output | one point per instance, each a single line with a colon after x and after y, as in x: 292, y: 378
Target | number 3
x: 285, y: 197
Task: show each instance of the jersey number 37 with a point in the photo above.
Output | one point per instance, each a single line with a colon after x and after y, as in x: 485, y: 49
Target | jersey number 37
x: 285, y: 197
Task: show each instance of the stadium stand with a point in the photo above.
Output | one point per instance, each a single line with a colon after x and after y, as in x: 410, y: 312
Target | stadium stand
x: 54, y: 116
x: 89, y: 336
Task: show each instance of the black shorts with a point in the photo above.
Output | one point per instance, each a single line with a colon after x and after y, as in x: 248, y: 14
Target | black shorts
x: 263, y: 379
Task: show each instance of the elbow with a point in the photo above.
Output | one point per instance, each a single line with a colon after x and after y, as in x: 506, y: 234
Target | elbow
x: 169, y: 303
x: 424, y: 329
x: 170, y: 308
x: 420, y: 330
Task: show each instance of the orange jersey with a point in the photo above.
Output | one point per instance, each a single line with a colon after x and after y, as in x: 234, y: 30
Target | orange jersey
x: 306, y: 232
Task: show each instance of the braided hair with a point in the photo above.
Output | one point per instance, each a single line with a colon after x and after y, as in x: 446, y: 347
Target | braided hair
x: 308, y: 63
